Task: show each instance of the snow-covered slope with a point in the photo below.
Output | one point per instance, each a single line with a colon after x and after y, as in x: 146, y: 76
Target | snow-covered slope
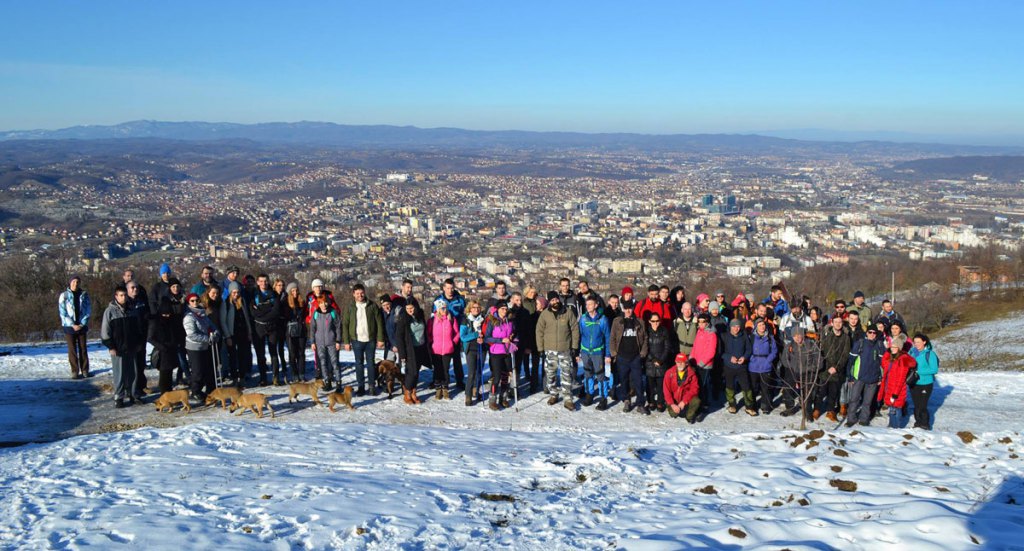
x: 442, y: 475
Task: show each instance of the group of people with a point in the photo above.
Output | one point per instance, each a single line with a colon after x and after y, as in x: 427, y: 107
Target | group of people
x: 660, y: 352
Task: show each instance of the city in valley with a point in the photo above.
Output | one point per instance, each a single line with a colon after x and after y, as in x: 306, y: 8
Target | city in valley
x: 749, y: 209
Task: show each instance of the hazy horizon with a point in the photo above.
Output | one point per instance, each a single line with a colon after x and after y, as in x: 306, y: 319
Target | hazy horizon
x: 913, y: 71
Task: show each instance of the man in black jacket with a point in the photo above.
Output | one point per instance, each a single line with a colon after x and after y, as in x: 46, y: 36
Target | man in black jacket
x: 265, y: 315
x: 122, y: 334
x: 736, y: 351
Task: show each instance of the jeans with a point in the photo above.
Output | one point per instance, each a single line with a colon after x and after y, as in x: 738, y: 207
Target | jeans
x: 297, y: 357
x: 704, y: 376
x: 593, y: 373
x: 630, y: 370
x: 327, y: 359
x: 364, y: 364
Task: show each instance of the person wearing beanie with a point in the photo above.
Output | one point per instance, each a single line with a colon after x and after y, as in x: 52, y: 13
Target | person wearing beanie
x: 558, y: 336
x: 236, y: 326
x: 74, y: 308
x: 159, y: 290
x: 763, y: 351
x: 703, y: 302
x: 628, y: 348
x: 735, y: 357
x: 293, y: 312
x: 200, y: 336
x: 317, y: 290
x: 389, y: 312
x: 230, y: 276
x: 456, y: 305
x: 705, y: 350
x: 723, y: 305
x: 863, y: 310
x: 897, y: 366
x: 443, y: 343
x: 362, y: 332
x: 500, y: 338
x: 627, y: 293
x: 801, y: 363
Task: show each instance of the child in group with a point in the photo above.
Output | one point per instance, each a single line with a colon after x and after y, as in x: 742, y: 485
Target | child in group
x: 325, y: 334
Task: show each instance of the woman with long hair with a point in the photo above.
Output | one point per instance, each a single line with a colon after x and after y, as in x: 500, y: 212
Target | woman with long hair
x: 411, y: 341
x: 294, y: 313
x: 501, y: 339
x: 234, y: 318
x: 277, y: 348
x: 921, y: 390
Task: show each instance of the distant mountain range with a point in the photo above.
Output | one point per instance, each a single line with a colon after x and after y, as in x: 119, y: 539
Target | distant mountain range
x: 383, y: 136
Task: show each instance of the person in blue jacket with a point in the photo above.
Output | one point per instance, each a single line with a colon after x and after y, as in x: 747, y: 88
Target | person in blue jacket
x: 763, y: 351
x: 595, y: 334
x: 865, y: 370
x: 927, y: 367
x: 75, y: 308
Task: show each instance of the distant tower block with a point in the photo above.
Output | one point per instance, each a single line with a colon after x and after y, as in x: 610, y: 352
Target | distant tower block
x: 431, y: 226
x: 414, y: 223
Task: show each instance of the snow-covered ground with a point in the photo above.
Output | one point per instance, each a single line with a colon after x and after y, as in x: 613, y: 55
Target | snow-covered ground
x: 996, y: 344
x: 442, y: 475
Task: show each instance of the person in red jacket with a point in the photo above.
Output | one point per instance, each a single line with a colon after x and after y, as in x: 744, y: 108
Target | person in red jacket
x: 681, y: 389
x: 896, y: 367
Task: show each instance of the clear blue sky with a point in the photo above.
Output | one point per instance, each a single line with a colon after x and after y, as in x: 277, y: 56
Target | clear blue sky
x: 937, y: 68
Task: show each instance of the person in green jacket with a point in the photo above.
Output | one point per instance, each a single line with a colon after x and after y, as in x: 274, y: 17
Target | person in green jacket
x: 921, y: 391
x: 362, y: 325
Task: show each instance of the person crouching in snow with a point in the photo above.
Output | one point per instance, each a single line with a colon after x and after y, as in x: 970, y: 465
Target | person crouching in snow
x: 681, y: 388
x: 897, y: 365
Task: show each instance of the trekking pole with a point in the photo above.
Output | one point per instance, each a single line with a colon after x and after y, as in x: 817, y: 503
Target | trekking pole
x: 515, y: 386
x: 217, y: 376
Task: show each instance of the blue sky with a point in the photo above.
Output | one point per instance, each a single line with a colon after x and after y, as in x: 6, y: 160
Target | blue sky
x: 929, y: 68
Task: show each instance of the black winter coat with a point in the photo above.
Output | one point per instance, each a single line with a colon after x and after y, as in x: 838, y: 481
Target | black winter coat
x: 661, y: 347
x: 736, y: 346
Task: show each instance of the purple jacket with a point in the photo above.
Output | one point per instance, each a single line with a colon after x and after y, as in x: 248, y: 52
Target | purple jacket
x: 763, y: 353
x: 498, y: 330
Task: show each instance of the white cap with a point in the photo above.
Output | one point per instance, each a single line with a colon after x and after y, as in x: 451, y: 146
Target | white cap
x: 438, y: 304
x: 317, y: 283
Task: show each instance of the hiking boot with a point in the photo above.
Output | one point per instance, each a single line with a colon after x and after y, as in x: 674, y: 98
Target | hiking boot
x: 766, y: 412
x: 413, y: 396
x: 437, y: 394
x: 691, y: 420
x: 751, y: 412
x: 469, y: 400
x: 553, y: 400
x: 851, y: 423
x: 831, y: 416
x: 276, y: 382
x: 642, y: 409
x: 588, y: 399
x: 504, y: 402
x: 77, y: 376
x: 569, y: 404
x: 602, y: 404
x: 361, y: 392
x: 263, y: 382
x: 816, y: 414
x: 791, y: 410
x: 405, y: 397
x: 842, y: 410
x: 119, y: 403
x: 444, y: 394
x: 627, y: 407
x: 865, y: 424
x: 328, y: 386
x: 492, y: 404
x: 732, y: 408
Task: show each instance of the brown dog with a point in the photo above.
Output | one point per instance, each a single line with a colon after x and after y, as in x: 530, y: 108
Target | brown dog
x: 169, y: 399
x: 387, y: 373
x: 296, y: 389
x: 255, y: 402
x: 343, y: 397
x: 222, y: 395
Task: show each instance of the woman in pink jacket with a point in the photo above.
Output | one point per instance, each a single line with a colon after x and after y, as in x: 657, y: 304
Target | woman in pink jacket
x: 443, y: 342
x: 705, y: 348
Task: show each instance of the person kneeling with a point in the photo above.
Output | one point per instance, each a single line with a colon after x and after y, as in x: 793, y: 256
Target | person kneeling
x: 681, y: 389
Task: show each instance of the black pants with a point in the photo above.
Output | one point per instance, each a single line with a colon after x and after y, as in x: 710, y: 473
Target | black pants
x: 762, y: 382
x: 412, y: 372
x: 297, y: 357
x: 529, y: 366
x: 166, y: 363
x: 239, y: 359
x: 828, y: 394
x: 920, y: 395
x: 266, y: 338
x: 441, y: 363
x: 140, y: 372
x: 474, y: 367
x: 203, y: 381
x: 630, y: 370
x: 501, y: 370
x: 280, y: 338
x: 460, y: 376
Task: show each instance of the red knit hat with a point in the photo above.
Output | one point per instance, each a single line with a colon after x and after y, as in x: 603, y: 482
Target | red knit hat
x: 191, y: 296
x: 682, y: 357
x: 627, y: 290
x: 740, y: 299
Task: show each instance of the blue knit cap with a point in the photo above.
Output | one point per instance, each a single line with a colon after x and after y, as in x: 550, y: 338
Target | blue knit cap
x: 165, y: 269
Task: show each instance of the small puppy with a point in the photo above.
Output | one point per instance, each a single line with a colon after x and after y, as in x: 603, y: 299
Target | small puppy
x: 387, y: 373
x: 343, y: 397
x: 169, y: 399
x: 222, y: 395
x: 254, y: 402
x: 296, y: 389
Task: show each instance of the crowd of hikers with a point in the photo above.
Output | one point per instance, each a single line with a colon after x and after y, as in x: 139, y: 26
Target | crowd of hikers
x: 657, y: 353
